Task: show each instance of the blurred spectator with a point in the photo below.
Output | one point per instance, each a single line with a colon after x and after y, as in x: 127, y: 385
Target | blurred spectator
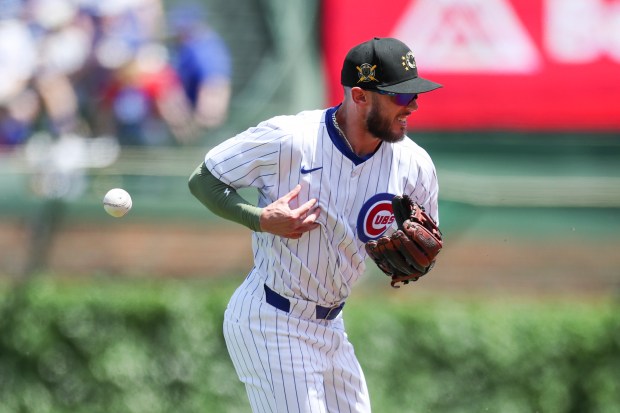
x: 40, y: 53
x: 18, y: 59
x: 203, y: 62
x: 63, y: 47
x: 90, y: 68
x: 140, y: 100
x: 138, y: 20
x: 17, y: 118
x: 143, y: 101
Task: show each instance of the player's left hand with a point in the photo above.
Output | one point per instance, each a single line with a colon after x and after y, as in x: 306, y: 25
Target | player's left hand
x: 410, y: 252
x: 279, y: 219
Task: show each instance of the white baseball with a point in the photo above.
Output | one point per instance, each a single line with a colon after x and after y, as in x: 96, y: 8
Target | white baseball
x: 117, y: 202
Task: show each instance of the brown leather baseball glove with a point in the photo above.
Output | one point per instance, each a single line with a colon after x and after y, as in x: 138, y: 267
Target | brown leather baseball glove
x: 411, y: 251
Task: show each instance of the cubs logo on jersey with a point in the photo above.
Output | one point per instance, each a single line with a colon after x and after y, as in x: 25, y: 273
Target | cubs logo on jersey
x: 375, y: 217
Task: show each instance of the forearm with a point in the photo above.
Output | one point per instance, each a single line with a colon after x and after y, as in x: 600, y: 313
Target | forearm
x: 223, y: 200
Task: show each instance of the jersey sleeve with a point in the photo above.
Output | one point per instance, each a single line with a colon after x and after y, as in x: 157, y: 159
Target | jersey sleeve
x: 422, y: 184
x: 249, y: 159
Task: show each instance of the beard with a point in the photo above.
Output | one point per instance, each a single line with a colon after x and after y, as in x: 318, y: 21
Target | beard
x: 381, y: 127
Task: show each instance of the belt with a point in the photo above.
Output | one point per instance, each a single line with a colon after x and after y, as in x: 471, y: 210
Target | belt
x: 283, y: 303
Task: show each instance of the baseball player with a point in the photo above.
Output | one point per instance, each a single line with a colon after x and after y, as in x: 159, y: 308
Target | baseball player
x: 325, y: 180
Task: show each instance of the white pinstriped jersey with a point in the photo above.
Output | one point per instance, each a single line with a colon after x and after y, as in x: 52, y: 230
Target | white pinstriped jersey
x: 353, y: 194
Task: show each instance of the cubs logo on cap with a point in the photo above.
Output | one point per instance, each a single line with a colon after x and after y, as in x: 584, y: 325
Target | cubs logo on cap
x: 384, y: 64
x: 409, y: 61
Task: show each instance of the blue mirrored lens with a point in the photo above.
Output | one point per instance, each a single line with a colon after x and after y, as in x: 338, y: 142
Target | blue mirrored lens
x: 403, y: 99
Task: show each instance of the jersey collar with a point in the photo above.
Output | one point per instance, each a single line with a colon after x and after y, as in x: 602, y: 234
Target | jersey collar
x: 338, y: 140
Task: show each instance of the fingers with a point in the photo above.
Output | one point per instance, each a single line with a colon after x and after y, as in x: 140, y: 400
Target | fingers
x: 302, y: 209
x: 305, y: 207
x: 307, y: 223
x: 278, y: 218
x: 311, y: 218
x: 294, y: 192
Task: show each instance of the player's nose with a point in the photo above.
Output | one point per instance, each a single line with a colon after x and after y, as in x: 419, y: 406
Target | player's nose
x: 413, y: 105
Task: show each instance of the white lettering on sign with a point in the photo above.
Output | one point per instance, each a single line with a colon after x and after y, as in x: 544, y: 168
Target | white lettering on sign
x: 582, y: 31
x: 468, y: 36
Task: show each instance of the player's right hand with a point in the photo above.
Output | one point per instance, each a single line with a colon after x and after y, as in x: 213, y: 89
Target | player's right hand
x: 279, y: 219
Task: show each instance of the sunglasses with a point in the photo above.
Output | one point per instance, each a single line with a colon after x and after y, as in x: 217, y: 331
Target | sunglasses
x: 401, y: 99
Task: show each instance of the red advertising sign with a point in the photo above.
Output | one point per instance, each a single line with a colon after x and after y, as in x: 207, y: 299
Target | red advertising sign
x: 505, y: 64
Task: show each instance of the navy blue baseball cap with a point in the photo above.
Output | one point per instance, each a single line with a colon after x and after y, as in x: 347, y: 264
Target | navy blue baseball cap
x: 384, y: 64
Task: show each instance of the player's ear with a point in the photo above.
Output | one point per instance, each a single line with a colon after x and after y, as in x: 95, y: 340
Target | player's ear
x: 358, y: 95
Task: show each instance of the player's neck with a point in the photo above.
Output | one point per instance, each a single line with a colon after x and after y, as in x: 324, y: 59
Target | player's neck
x: 355, y: 136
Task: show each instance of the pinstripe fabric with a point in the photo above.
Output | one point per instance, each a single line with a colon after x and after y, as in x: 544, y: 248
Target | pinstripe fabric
x: 293, y: 362
x: 323, y: 264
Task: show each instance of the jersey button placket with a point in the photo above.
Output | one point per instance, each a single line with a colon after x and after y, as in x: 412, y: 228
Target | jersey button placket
x: 353, y: 181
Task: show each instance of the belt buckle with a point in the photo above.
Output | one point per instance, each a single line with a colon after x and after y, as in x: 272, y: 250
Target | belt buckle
x: 332, y: 312
x: 328, y: 316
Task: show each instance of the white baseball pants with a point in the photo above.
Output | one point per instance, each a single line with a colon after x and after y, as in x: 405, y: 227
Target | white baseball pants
x: 290, y: 363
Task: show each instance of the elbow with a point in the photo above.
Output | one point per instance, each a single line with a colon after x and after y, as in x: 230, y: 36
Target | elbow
x: 193, y: 183
x: 194, y: 189
x: 190, y: 183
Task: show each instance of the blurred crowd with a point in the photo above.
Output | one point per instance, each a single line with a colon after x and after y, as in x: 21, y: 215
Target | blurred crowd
x: 127, y: 69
